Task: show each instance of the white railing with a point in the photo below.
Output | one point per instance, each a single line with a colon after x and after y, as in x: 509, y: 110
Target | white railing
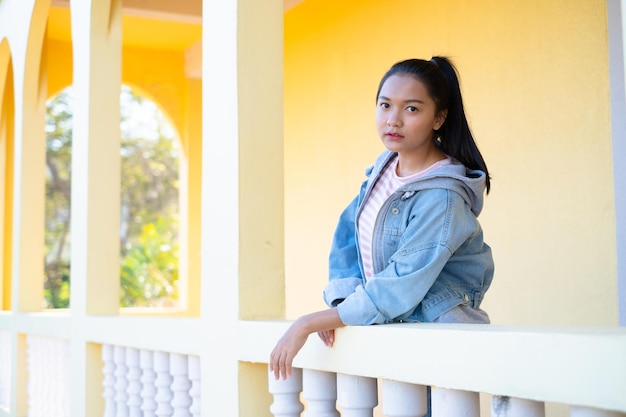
x: 48, y: 381
x: 370, y: 369
x: 140, y: 382
x: 520, y: 368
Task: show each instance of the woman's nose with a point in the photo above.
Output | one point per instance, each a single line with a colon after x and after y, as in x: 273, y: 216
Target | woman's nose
x: 393, y: 121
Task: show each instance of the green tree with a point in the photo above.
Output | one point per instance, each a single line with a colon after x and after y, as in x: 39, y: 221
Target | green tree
x: 58, y: 165
x: 149, y: 204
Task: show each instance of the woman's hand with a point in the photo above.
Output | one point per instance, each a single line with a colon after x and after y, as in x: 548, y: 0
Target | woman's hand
x: 324, y: 322
x: 286, y: 349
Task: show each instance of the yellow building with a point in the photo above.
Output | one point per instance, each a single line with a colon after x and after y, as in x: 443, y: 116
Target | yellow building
x: 273, y: 102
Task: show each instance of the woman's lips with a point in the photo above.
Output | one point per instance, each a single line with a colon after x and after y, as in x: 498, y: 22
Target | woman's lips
x: 393, y: 135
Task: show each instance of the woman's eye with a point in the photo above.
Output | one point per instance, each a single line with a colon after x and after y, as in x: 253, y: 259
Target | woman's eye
x: 411, y: 108
x: 384, y: 105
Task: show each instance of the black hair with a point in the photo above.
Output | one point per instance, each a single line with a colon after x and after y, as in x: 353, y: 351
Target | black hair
x: 442, y: 82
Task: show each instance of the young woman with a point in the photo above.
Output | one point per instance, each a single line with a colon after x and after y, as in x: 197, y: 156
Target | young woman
x: 409, y: 247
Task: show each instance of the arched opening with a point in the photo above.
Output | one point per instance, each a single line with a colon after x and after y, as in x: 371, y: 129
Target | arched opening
x: 7, y: 112
x: 149, y: 228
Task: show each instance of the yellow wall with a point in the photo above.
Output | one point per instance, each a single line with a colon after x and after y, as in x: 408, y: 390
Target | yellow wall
x: 159, y: 75
x: 535, y: 83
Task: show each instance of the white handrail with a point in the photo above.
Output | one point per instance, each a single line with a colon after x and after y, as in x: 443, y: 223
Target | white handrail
x: 575, y: 366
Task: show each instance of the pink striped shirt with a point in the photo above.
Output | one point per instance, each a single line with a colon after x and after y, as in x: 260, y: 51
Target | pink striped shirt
x: 385, y: 186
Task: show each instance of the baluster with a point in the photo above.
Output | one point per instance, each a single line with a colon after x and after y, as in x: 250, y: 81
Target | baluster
x: 356, y: 395
x: 320, y: 392
x: 148, y: 389
x: 108, y: 381
x: 163, y: 384
x: 46, y: 374
x: 181, y: 399
x: 503, y: 406
x: 449, y: 402
x: 401, y: 399
x: 121, y: 382
x: 576, y: 411
x: 66, y: 378
x: 55, y: 390
x: 33, y: 375
x: 194, y: 391
x: 58, y: 404
x: 286, y: 394
x: 134, y: 384
x: 5, y: 364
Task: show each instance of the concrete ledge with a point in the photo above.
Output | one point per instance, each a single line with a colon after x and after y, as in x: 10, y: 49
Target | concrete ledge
x: 576, y: 366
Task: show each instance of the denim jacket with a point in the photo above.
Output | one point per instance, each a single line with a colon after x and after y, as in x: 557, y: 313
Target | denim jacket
x: 429, y: 254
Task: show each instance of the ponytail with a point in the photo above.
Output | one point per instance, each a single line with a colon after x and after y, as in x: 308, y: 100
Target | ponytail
x: 455, y: 136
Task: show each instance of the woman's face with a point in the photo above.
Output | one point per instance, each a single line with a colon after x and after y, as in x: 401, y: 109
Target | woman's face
x: 406, y: 116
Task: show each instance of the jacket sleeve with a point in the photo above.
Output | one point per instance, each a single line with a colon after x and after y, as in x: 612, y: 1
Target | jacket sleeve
x: 437, y: 225
x: 344, y: 270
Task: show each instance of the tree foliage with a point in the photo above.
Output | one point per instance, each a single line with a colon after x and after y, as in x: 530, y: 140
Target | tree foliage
x: 149, y: 204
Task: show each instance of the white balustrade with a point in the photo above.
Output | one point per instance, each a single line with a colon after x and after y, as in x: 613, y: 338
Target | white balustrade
x: 181, y: 400
x: 401, y: 399
x: 286, y: 394
x: 5, y: 366
x: 503, y: 406
x: 143, y: 383
x: 593, y: 412
x: 194, y: 391
x: 356, y: 395
x: 320, y: 391
x: 48, y: 377
x: 163, y: 384
x: 134, y: 383
x: 148, y: 377
x: 448, y: 402
x: 108, y: 381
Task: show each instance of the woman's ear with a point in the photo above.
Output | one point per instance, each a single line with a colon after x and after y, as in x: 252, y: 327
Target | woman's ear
x: 440, y: 118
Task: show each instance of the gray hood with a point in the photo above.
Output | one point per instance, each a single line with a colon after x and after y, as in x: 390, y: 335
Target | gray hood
x: 469, y: 184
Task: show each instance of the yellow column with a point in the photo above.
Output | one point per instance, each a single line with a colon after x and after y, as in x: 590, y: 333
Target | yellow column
x: 242, y: 193
x: 30, y: 162
x: 96, y: 33
x: 191, y: 167
x: 7, y: 115
x: 28, y: 192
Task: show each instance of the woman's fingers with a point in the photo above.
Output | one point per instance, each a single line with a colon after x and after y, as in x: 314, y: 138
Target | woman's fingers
x: 328, y: 337
x: 281, y: 361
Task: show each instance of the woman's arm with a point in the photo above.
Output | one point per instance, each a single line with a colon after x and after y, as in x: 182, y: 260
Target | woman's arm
x: 291, y: 342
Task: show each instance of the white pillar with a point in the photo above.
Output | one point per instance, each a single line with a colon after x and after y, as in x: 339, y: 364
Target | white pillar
x: 503, y: 406
x: 95, y: 257
x: 320, y: 392
x: 449, y: 402
x: 576, y: 411
x: 286, y: 394
x: 401, y: 399
x: 356, y: 395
